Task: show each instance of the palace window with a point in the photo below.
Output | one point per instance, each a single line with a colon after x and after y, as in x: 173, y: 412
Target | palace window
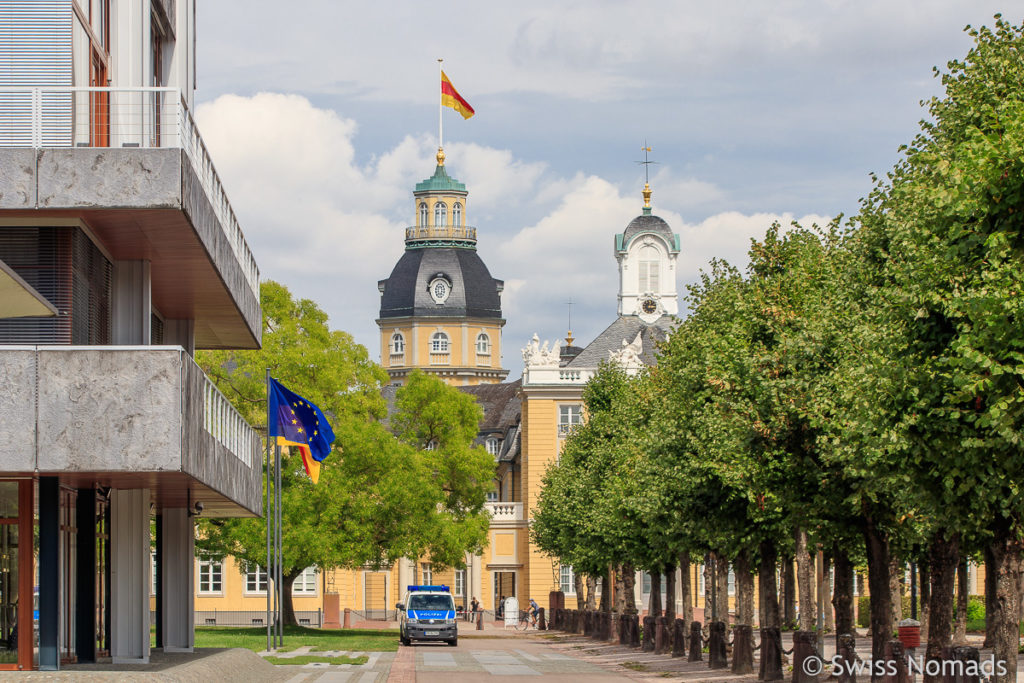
x: 256, y: 580
x: 457, y: 214
x: 567, y: 579
x: 569, y: 416
x: 211, y: 573
x: 439, y: 343
x: 428, y: 574
x: 492, y: 445
x: 397, y: 343
x: 423, y: 214
x: 440, y: 214
x: 305, y: 583
x: 483, y: 344
x: 460, y: 582
x: 649, y: 266
x: 430, y: 445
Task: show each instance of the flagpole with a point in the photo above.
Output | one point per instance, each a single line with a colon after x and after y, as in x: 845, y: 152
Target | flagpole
x: 266, y: 513
x: 440, y: 107
x: 280, y: 558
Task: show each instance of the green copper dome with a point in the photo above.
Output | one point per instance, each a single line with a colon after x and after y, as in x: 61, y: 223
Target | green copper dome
x: 440, y: 182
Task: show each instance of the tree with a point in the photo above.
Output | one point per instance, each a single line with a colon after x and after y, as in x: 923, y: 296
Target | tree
x: 380, y: 498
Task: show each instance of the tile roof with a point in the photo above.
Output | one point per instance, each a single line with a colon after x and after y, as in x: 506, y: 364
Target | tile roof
x: 624, y: 328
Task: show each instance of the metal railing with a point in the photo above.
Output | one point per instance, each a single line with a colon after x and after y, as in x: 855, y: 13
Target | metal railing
x: 427, y: 232
x: 120, y: 117
x: 227, y: 426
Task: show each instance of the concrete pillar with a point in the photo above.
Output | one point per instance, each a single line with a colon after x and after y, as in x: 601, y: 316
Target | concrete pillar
x: 474, y: 580
x: 129, y: 576
x: 177, y: 576
x: 406, y: 577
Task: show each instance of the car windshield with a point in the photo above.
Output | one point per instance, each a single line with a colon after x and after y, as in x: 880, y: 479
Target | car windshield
x: 431, y: 602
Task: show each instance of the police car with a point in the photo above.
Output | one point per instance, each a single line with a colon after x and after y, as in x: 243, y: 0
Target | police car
x: 428, y: 613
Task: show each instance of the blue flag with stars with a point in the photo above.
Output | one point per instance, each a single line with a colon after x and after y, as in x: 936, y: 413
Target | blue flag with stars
x: 298, y: 421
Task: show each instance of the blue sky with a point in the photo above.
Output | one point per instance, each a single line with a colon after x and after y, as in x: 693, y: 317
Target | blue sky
x: 321, y: 120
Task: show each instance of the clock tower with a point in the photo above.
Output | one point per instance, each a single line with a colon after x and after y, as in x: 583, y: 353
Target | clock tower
x: 647, y: 253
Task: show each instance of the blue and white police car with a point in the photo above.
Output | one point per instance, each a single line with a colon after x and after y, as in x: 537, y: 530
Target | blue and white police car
x: 428, y: 613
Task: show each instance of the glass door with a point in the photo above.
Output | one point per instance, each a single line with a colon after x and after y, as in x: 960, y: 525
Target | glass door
x: 16, y: 625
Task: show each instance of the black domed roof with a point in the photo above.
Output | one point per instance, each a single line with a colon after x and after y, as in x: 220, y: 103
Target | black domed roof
x: 474, y: 293
x: 647, y: 223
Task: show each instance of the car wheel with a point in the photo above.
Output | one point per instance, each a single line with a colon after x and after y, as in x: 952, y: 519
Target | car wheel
x: 453, y: 642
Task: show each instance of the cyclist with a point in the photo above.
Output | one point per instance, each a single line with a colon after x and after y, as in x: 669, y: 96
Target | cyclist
x: 534, y: 611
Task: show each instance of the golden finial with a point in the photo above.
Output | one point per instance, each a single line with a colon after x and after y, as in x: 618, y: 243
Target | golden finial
x: 569, y: 339
x: 647, y: 195
x: 440, y: 156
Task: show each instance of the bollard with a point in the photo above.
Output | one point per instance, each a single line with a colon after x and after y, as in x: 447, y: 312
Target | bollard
x: 894, y: 651
x: 848, y: 654
x: 615, y: 627
x: 479, y: 616
x: 716, y: 646
x: 541, y: 625
x: 588, y: 623
x: 648, y: 640
x: 770, y: 667
x: 634, y: 630
x: 803, y: 647
x: 661, y: 641
x: 679, y: 638
x: 742, y: 649
x: 347, y: 623
x: 696, y: 643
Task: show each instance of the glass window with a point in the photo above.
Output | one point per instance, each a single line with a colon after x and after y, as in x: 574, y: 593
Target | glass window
x: 457, y: 214
x: 256, y: 580
x: 440, y: 214
x: 648, y: 267
x: 569, y: 416
x: 492, y: 445
x: 460, y: 582
x: 483, y: 343
x: 428, y: 574
x: 423, y: 214
x: 646, y: 586
x: 211, y: 573
x: 397, y: 343
x: 152, y: 573
x: 439, y: 343
x: 431, y: 445
x: 305, y: 583
x: 431, y: 601
x: 492, y: 496
x: 567, y: 579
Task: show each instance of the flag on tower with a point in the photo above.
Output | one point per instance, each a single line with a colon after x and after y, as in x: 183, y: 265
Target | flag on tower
x: 294, y: 421
x: 450, y: 97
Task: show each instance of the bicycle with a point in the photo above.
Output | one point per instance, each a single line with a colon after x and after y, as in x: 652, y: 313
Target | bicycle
x: 526, y: 620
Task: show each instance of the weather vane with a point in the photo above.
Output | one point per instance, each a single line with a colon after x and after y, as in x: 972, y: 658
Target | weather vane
x: 569, y: 338
x: 646, y: 162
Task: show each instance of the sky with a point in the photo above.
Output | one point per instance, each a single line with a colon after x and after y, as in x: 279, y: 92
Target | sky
x: 321, y: 115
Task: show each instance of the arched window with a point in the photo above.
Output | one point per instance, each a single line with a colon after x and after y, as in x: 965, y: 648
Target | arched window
x: 483, y: 343
x: 457, y: 214
x: 492, y: 445
x: 397, y: 343
x: 430, y: 445
x: 423, y: 214
x: 439, y: 343
x: 648, y: 267
x: 440, y: 214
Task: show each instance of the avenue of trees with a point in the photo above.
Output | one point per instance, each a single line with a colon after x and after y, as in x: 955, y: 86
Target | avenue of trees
x: 382, y: 494
x: 859, y: 388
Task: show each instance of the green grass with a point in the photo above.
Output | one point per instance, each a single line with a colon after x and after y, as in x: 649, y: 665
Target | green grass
x: 635, y: 666
x: 314, y: 659
x: 255, y: 639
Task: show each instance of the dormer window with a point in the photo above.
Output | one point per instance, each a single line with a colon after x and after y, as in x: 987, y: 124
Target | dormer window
x: 439, y: 289
x: 492, y: 445
x: 423, y: 214
x: 483, y: 344
x: 457, y: 214
x: 397, y: 344
x: 649, y: 268
x: 440, y: 214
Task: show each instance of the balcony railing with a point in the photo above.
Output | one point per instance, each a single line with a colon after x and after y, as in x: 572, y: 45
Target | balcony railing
x: 226, y: 425
x: 440, y: 232
x: 120, y: 117
x: 505, y: 512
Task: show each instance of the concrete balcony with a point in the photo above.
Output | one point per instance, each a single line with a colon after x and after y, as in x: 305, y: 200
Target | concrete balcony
x: 130, y: 165
x: 128, y: 417
x: 505, y: 512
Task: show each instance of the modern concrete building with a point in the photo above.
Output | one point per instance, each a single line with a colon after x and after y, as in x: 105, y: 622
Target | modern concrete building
x: 118, y: 239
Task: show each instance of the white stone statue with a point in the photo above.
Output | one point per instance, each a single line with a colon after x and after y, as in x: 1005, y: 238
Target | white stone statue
x: 537, y: 356
x: 628, y: 357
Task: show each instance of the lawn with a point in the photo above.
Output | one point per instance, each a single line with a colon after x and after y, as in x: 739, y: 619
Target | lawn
x: 255, y: 639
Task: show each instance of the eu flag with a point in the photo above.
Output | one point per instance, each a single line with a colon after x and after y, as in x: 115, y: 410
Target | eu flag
x: 298, y: 422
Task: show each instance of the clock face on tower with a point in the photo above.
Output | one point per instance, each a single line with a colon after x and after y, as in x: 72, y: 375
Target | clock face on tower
x: 649, y: 306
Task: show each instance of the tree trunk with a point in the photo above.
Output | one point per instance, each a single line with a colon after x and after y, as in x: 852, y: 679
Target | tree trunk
x: 685, y: 596
x: 670, y: 595
x: 287, y: 605
x: 877, y: 546
x: 943, y: 558
x: 579, y: 582
x: 1002, y: 626
x: 771, y: 654
x: 628, y: 586
x: 990, y: 593
x: 805, y: 582
x: 722, y: 567
x: 842, y: 595
x: 895, y: 589
x: 924, y: 595
x: 788, y: 593
x: 654, y: 602
x: 707, y: 588
x: 606, y: 595
x: 827, y: 598
x: 744, y: 590
x: 960, y: 627
x: 591, y: 603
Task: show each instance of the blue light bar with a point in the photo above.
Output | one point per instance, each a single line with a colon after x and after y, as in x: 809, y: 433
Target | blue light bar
x: 442, y: 589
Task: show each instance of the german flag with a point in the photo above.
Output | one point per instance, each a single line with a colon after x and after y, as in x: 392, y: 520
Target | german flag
x: 450, y: 97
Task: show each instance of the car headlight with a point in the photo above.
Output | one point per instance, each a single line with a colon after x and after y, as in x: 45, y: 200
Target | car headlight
x: 411, y: 621
x: 449, y: 621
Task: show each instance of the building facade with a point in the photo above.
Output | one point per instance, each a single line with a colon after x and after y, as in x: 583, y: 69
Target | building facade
x: 114, y: 221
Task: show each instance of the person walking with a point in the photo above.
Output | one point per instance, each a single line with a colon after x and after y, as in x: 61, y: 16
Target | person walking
x: 474, y: 608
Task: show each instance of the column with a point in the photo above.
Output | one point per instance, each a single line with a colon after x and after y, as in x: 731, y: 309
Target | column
x: 129, y: 576
x: 49, y: 573
x: 85, y: 582
x: 176, y: 575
